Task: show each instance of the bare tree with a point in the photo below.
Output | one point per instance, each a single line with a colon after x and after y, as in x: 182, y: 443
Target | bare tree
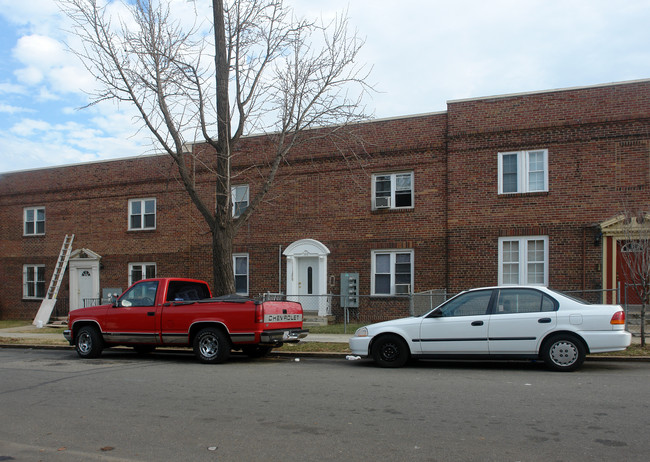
x: 635, y: 253
x: 271, y: 73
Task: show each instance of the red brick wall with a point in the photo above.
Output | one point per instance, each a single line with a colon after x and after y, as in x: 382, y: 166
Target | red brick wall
x: 596, y: 139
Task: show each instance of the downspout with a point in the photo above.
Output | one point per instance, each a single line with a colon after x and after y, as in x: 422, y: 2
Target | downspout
x: 279, y: 269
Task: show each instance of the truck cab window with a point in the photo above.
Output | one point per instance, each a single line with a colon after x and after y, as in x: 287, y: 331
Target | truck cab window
x: 142, y: 294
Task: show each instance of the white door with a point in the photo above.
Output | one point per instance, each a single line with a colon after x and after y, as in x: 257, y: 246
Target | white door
x: 85, y: 286
x: 308, y: 282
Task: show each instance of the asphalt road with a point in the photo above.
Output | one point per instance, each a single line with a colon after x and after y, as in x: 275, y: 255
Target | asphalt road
x: 168, y: 407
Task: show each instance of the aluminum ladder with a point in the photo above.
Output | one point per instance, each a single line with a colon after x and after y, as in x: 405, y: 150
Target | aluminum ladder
x: 47, y: 305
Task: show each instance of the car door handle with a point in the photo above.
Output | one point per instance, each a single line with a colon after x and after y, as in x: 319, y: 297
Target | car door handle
x: 151, y: 313
x: 477, y: 323
x: 544, y: 320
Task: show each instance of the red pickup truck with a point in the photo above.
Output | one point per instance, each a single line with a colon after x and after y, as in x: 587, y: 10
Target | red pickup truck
x: 177, y: 312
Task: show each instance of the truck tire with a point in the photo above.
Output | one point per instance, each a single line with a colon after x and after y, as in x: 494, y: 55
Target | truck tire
x: 89, y: 343
x: 211, y: 346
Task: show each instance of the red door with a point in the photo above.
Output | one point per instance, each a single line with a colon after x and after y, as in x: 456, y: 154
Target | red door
x: 134, y: 319
x: 628, y: 259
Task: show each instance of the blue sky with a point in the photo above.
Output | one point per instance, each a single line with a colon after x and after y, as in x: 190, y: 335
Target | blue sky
x: 423, y: 53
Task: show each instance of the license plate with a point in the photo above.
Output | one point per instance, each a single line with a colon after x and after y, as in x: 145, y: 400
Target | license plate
x: 282, y: 317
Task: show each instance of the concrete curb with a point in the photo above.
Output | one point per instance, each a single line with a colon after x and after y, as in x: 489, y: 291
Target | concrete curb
x: 296, y: 354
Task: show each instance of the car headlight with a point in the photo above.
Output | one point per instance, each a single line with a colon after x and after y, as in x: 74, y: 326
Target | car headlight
x: 361, y: 332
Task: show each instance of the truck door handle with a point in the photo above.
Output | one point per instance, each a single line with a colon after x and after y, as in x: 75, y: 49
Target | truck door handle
x: 544, y: 320
x: 477, y: 323
x: 151, y: 313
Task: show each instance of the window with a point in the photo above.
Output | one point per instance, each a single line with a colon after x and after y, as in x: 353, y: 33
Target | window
x: 143, y: 294
x: 142, y: 214
x: 139, y: 271
x: 34, y: 219
x: 523, y: 171
x: 34, y: 281
x: 468, y: 304
x: 392, y: 272
x: 240, y: 266
x: 523, y: 301
x: 392, y: 191
x: 239, y: 199
x: 523, y: 260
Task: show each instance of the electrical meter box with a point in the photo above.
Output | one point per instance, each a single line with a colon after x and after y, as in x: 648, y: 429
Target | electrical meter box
x: 350, y: 290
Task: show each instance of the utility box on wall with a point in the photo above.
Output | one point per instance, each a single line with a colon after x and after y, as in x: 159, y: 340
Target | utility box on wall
x: 350, y: 290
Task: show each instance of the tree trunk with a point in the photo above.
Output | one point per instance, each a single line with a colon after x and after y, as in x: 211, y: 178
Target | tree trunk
x: 223, y: 275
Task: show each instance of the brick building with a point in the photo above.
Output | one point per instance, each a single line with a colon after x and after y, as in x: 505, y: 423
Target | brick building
x: 513, y: 189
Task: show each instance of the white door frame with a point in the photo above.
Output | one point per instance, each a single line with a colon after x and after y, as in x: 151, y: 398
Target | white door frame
x: 83, y: 259
x: 308, y: 248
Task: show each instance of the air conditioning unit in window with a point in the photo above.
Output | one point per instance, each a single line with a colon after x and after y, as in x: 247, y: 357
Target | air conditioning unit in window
x: 401, y: 289
x: 382, y: 202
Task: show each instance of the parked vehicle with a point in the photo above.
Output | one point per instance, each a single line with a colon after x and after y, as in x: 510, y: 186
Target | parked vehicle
x: 496, y: 323
x: 177, y: 312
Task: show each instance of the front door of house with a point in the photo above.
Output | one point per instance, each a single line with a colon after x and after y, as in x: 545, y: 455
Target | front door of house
x: 83, y: 268
x: 85, y: 287
x: 307, y: 275
x: 308, y: 282
x: 629, y: 265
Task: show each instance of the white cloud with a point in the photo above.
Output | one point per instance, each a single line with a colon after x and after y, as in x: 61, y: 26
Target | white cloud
x: 9, y: 109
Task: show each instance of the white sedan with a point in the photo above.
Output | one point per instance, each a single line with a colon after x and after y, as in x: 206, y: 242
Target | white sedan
x: 498, y: 323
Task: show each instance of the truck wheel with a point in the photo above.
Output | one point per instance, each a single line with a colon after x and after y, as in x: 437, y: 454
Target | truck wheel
x: 211, y: 346
x: 256, y: 351
x: 89, y: 342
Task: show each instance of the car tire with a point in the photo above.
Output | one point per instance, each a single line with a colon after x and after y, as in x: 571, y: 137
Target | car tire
x: 256, y: 351
x: 563, y: 352
x: 89, y: 342
x: 390, y: 351
x: 211, y: 346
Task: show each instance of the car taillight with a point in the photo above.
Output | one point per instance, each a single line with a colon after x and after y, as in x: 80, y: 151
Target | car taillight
x: 618, y: 318
x: 259, y: 313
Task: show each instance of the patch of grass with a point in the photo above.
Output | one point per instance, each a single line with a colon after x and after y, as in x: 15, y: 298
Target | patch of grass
x: 9, y: 323
x: 631, y: 351
x: 335, y: 329
x: 33, y: 341
x: 314, y: 347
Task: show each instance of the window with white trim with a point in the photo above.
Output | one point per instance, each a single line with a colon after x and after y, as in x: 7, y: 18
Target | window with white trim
x: 33, y: 281
x: 142, y: 214
x: 523, y: 260
x: 240, y: 267
x: 523, y: 171
x: 392, y: 272
x: 34, y: 221
x: 392, y: 190
x: 239, y: 199
x: 138, y: 271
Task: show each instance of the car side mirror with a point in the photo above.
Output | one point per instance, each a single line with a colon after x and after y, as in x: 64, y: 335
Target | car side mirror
x: 437, y: 313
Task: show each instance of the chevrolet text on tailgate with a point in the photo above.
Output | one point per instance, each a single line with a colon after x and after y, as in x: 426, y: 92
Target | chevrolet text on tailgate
x: 174, y: 312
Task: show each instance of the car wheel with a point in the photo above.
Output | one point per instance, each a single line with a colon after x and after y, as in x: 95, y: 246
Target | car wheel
x: 563, y: 353
x: 256, y: 351
x: 390, y: 351
x: 89, y: 343
x: 211, y: 346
